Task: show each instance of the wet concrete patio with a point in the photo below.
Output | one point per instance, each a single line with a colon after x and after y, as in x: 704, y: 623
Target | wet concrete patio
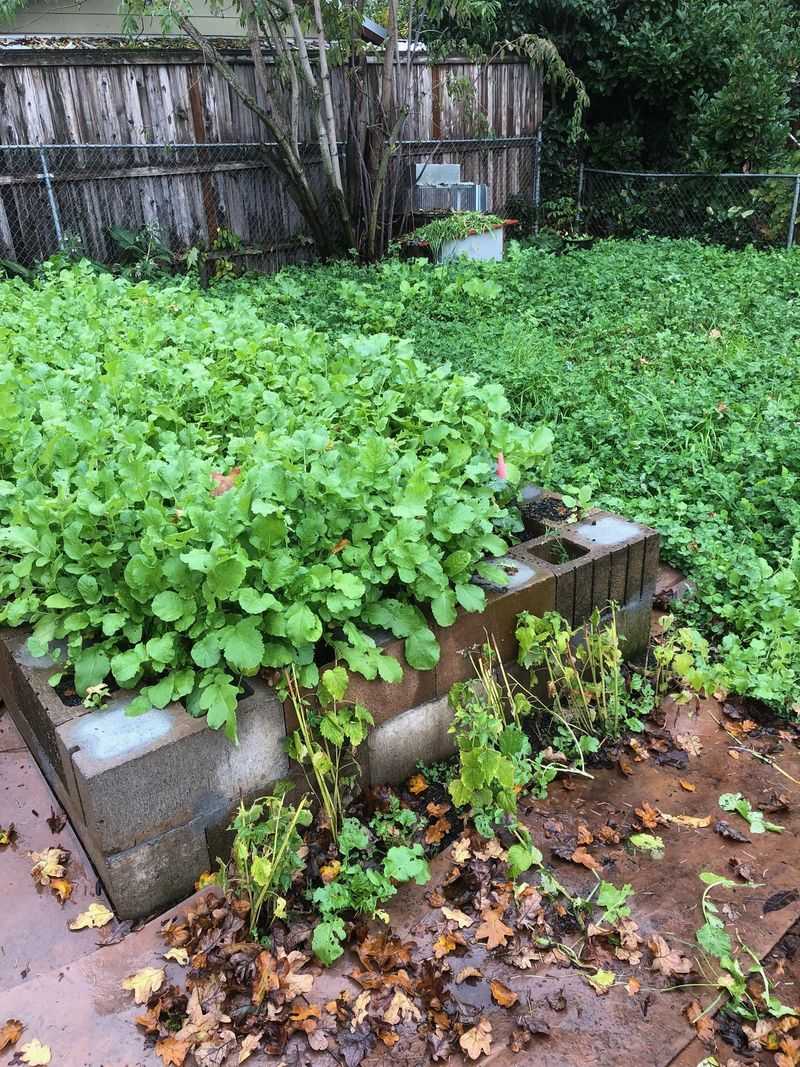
x: 66, y: 987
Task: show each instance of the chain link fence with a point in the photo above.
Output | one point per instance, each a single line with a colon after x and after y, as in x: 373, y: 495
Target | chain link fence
x: 730, y: 209
x: 114, y: 203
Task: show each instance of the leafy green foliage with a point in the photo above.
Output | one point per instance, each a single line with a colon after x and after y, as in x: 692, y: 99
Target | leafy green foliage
x: 355, y: 468
x: 755, y: 819
x: 734, y: 969
x: 589, y: 698
x: 366, y: 878
x: 453, y: 227
x: 669, y: 371
x: 266, y: 852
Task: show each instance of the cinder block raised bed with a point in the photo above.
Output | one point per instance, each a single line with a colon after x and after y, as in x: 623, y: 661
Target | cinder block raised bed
x: 151, y: 796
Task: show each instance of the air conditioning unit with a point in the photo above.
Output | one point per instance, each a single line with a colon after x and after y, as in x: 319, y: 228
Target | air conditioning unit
x: 457, y: 196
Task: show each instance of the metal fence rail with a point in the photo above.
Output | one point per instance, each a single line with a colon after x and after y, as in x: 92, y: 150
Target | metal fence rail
x: 77, y: 198
x: 731, y: 209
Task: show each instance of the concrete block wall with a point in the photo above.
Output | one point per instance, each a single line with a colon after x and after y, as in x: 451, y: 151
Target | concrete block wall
x: 151, y: 796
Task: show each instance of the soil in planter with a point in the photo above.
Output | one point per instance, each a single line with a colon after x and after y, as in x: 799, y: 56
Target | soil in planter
x: 537, y: 514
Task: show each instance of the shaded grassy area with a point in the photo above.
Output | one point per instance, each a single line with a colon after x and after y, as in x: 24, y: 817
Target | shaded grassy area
x: 668, y: 372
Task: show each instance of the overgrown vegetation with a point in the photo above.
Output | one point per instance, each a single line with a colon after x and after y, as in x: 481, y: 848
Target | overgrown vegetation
x: 189, y: 494
x: 667, y: 371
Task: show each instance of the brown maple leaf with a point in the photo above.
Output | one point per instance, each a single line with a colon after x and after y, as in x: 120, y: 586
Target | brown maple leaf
x: 648, y: 816
x: 584, y: 834
x: 417, y: 784
x: 10, y: 1033
x: 478, y: 1040
x: 585, y: 859
x: 56, y: 821
x: 703, y: 1024
x: 384, y: 952
x: 493, y: 930
x: 667, y: 961
x: 437, y: 810
x: 436, y: 831
x: 172, y: 1052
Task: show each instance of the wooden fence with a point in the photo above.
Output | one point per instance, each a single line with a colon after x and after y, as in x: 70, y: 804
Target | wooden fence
x: 140, y: 105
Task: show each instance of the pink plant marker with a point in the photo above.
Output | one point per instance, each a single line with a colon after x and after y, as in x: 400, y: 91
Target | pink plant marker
x: 502, y: 474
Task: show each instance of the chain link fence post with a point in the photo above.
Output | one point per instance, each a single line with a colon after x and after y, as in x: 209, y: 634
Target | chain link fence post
x: 537, y: 180
x: 793, y: 214
x: 51, y: 197
x: 579, y: 205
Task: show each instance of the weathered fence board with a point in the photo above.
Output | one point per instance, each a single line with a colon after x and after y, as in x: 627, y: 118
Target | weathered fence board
x: 156, y: 98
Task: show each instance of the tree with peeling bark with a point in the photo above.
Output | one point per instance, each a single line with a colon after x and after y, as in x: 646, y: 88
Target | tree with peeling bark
x: 336, y: 161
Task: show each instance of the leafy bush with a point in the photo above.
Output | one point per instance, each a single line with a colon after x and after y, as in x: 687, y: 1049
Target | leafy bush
x: 354, y: 487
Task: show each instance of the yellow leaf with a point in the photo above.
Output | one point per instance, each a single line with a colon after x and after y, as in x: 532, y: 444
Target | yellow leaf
x: 35, y: 1053
x: 686, y: 820
x: 180, y: 955
x: 48, y: 864
x: 144, y: 983
x: 417, y: 784
x: 95, y: 916
x: 62, y: 887
x: 205, y: 879
x: 686, y: 785
x: 461, y: 918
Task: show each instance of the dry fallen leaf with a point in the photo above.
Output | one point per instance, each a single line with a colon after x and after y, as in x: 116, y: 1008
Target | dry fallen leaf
x: 461, y: 850
x: 459, y: 917
x: 329, y: 871
x: 633, y: 985
x: 478, y: 1040
x: 686, y: 820
x: 48, y: 864
x: 493, y: 930
x: 206, y: 878
x: 688, y: 786
x: 437, y: 810
x: 95, y: 916
x: 399, y: 1008
x: 8, y: 835
x: 179, y: 955
x: 703, y: 1024
x: 666, y: 960
x: 173, y: 1052
x: 35, y: 1054
x: 10, y: 1033
x: 62, y: 888
x: 444, y: 944
x: 467, y: 972
x: 690, y: 743
x: 648, y: 816
x: 585, y: 859
x: 144, y: 983
x: 417, y: 784
x: 436, y: 831
x: 249, y: 1046
x: 502, y: 995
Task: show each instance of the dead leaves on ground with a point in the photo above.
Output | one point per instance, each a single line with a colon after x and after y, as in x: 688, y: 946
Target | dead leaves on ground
x: 35, y: 1054
x: 493, y: 930
x: 477, y: 1041
x: 49, y: 870
x: 10, y: 1033
x: 667, y: 961
x: 8, y: 836
x: 144, y: 983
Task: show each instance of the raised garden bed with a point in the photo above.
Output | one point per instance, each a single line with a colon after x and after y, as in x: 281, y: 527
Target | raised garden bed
x: 151, y: 796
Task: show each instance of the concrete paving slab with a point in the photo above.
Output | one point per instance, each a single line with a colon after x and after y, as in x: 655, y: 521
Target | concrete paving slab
x: 34, y: 938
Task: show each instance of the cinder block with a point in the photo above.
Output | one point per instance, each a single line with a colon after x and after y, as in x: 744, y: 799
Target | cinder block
x: 531, y: 588
x: 156, y: 873
x: 139, y: 777
x: 30, y: 698
x: 420, y: 733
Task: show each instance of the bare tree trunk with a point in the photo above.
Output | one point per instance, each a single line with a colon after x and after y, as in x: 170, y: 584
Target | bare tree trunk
x: 289, y: 163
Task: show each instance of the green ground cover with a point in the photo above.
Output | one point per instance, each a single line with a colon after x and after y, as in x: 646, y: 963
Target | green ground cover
x: 669, y: 374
